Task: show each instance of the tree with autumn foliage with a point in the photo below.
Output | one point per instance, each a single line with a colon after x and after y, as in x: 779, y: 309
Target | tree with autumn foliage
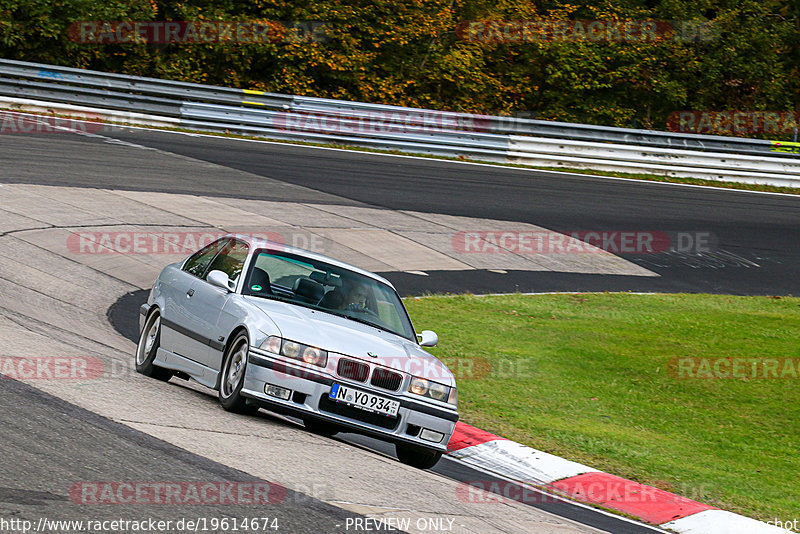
x: 745, y: 54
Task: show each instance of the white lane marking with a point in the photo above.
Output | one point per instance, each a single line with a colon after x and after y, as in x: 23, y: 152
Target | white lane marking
x: 557, y: 497
x: 520, y: 462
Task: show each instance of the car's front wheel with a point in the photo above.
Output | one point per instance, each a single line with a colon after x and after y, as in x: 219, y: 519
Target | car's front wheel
x: 417, y: 456
x: 147, y: 348
x: 234, y: 365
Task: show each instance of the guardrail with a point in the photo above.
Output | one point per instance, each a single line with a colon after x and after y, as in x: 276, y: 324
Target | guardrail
x: 667, y: 162
x: 477, y: 137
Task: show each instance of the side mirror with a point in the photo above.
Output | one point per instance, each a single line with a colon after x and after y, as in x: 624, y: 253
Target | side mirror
x: 219, y: 279
x: 428, y: 338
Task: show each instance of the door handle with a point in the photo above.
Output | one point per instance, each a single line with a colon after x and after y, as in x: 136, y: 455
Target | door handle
x: 190, y: 292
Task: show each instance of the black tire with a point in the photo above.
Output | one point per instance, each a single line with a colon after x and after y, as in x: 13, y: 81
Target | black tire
x: 149, y: 341
x: 417, y: 456
x: 323, y: 428
x: 234, y: 366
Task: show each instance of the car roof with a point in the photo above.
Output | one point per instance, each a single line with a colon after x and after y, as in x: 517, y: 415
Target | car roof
x: 257, y: 243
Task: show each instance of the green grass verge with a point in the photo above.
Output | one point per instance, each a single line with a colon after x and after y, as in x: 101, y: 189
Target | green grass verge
x: 589, y: 377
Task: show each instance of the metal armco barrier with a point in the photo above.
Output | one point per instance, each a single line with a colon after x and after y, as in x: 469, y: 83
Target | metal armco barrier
x: 467, y: 136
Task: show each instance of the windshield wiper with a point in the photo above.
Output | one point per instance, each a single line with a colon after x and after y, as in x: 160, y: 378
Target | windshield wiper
x: 364, y: 321
x: 290, y: 301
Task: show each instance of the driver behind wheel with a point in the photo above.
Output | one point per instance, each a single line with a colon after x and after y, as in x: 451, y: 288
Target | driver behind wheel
x: 357, y: 299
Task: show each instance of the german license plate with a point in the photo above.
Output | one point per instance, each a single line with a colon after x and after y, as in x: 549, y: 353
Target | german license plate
x: 363, y: 400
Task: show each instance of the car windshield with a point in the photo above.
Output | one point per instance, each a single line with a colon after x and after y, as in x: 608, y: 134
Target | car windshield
x: 319, y: 285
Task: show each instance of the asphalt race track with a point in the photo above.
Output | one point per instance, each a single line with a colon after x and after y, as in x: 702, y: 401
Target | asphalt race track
x: 57, y: 441
x: 125, y: 427
x: 754, y: 235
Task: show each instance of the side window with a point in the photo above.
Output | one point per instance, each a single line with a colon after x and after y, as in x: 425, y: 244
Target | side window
x: 230, y: 260
x: 197, y: 263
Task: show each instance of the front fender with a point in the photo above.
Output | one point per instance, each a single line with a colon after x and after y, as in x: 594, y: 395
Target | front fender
x: 237, y: 313
x: 144, y: 311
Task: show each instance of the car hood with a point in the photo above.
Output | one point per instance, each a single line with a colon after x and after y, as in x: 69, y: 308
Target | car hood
x: 341, y: 335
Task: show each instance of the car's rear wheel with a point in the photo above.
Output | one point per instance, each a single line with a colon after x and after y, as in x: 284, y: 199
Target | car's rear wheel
x: 146, y: 350
x: 321, y: 427
x: 234, y: 365
x: 417, y: 456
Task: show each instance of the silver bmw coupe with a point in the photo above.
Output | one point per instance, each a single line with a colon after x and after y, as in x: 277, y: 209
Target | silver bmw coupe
x: 294, y: 332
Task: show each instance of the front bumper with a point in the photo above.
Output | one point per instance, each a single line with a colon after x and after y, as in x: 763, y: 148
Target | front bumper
x: 309, y: 397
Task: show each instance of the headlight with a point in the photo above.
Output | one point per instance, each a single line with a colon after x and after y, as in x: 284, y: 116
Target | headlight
x: 272, y: 344
x: 291, y: 349
x: 295, y: 351
x: 315, y: 356
x: 438, y: 391
x: 433, y: 390
x: 418, y: 386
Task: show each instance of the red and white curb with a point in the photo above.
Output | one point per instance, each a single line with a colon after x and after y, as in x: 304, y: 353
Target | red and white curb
x: 504, y: 458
